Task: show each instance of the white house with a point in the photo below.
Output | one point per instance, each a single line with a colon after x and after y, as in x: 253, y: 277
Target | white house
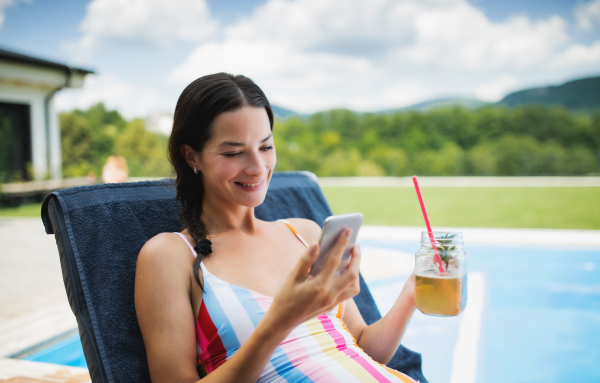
x: 29, y: 131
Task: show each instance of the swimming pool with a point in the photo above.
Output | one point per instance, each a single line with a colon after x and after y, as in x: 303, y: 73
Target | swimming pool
x: 68, y: 352
x: 538, y: 319
x: 533, y: 316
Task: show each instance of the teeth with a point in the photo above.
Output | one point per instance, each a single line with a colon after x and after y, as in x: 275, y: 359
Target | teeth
x: 251, y: 184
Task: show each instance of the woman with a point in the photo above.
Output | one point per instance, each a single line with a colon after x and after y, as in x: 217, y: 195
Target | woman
x: 270, y: 320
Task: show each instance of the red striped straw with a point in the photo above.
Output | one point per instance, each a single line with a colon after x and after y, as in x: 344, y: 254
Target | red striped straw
x: 436, y: 257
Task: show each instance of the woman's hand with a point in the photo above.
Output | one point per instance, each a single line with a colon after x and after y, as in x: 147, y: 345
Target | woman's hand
x: 163, y: 306
x: 302, y: 297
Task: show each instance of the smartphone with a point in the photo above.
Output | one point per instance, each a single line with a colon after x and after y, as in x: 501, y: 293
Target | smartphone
x: 332, y: 228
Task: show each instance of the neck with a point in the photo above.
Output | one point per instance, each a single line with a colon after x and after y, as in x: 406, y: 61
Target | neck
x: 220, y: 218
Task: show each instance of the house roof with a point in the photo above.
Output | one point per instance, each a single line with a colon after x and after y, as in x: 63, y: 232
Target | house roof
x: 18, y: 57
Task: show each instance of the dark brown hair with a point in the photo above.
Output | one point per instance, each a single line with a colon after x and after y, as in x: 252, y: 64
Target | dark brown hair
x: 199, y: 104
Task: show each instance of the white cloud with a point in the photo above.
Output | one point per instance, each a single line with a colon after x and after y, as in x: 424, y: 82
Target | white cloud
x: 307, y: 81
x: 449, y: 33
x: 496, y: 89
x: 150, y: 22
x: 115, y: 93
x: 406, y: 93
x: 588, y: 15
x: 6, y: 3
x: 366, y: 55
x: 374, y: 54
x: 463, y: 38
x: 586, y: 57
x: 341, y: 26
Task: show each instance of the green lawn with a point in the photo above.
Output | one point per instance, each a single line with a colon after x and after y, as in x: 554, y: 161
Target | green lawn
x: 528, y: 207
x: 28, y: 210
x: 557, y: 208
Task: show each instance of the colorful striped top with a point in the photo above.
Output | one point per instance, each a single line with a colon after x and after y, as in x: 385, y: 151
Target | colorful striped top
x: 319, y: 350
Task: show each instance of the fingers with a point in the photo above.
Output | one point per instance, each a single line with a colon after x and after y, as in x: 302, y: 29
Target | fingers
x: 306, y: 261
x: 349, y: 282
x: 354, y: 264
x: 335, y: 255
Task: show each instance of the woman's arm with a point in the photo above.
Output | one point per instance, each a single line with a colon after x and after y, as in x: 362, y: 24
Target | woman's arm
x: 163, y: 305
x: 381, y: 339
x: 164, y: 311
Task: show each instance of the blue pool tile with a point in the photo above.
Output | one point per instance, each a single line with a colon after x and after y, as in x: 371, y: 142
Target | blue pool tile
x: 68, y: 352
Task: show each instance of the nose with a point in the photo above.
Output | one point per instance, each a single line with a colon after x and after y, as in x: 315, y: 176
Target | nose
x: 255, y: 165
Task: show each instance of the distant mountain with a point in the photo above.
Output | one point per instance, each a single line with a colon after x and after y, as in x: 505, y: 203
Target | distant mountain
x: 581, y: 95
x: 467, y: 103
x: 283, y: 113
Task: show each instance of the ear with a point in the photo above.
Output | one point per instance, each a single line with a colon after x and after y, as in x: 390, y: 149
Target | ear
x: 191, y: 156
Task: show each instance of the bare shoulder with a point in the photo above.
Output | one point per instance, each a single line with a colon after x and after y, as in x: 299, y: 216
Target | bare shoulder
x: 308, y: 229
x: 163, y: 272
x: 165, y: 249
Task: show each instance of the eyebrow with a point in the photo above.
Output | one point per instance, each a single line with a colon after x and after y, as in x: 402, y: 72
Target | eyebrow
x: 232, y: 143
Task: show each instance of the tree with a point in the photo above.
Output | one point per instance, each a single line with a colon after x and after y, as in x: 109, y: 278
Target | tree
x: 145, y: 152
x: 527, y: 140
x: 76, y: 143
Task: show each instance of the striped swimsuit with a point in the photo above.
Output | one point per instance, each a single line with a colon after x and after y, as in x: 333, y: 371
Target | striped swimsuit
x: 319, y: 350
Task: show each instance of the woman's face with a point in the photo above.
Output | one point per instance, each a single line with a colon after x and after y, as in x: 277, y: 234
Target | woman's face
x: 237, y: 162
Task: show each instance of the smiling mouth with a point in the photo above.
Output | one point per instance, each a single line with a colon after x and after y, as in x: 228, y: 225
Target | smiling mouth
x: 249, y: 185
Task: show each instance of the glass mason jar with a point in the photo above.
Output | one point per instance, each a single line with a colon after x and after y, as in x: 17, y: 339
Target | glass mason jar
x: 441, y: 274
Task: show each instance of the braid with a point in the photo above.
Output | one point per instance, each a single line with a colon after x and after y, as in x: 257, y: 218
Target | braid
x: 190, y: 193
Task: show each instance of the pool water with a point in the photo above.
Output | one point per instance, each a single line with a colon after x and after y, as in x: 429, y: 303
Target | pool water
x: 538, y: 321
x: 68, y: 352
x: 533, y: 315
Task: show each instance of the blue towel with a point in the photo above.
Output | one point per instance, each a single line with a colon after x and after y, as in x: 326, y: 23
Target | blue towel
x: 100, y: 230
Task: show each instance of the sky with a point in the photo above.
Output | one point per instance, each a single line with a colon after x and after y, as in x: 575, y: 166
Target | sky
x: 307, y: 55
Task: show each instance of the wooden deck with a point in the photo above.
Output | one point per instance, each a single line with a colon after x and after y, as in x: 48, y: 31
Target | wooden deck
x: 33, y: 302
x: 22, y: 371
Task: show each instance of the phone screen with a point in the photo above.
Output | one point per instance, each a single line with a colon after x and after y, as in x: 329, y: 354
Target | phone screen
x: 332, y: 228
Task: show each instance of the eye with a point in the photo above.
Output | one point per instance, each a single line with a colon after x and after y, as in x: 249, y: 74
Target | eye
x: 266, y: 148
x: 232, y: 154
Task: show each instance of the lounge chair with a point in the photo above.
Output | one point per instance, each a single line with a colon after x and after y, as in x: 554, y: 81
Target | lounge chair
x: 99, y: 232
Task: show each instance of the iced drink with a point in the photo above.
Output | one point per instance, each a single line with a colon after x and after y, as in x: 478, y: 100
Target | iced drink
x: 441, y: 275
x: 441, y: 295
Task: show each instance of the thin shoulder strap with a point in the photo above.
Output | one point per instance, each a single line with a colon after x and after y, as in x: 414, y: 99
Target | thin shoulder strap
x: 293, y: 229
x: 188, y: 243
